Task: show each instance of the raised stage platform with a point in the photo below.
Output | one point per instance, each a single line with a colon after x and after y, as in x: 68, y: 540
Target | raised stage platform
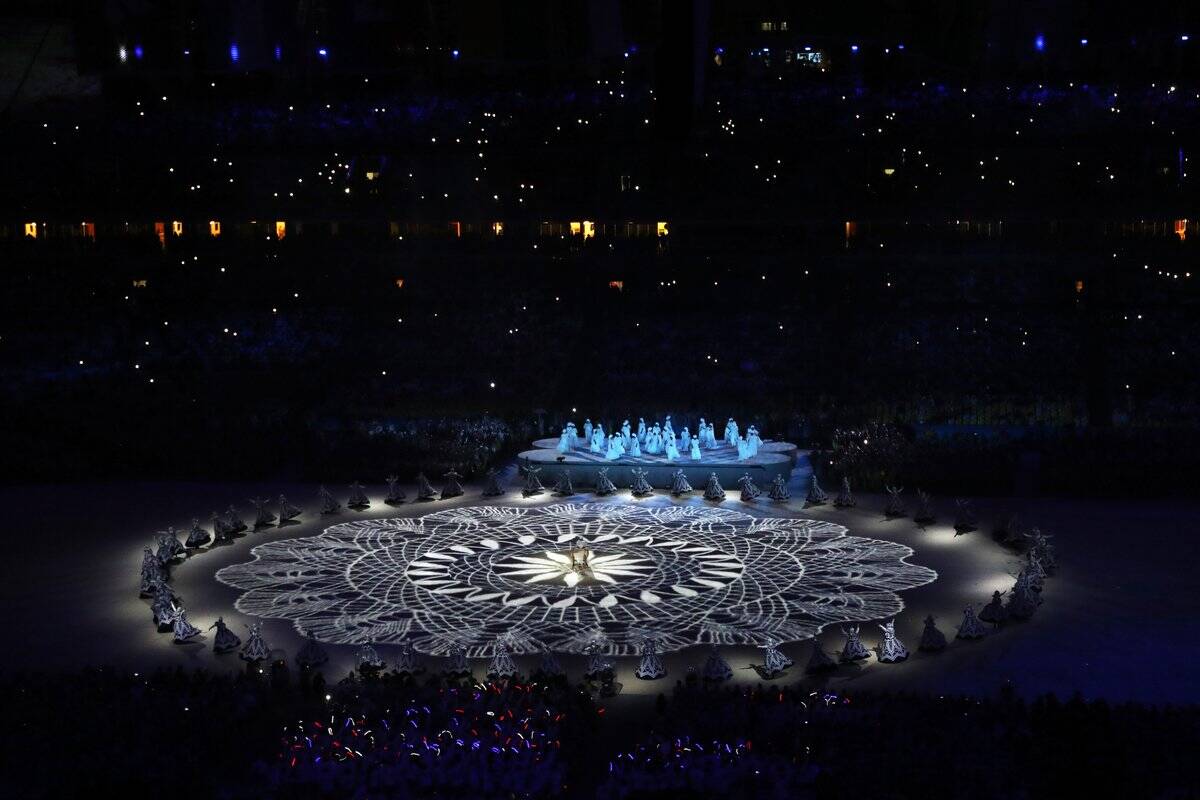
x: 774, y: 458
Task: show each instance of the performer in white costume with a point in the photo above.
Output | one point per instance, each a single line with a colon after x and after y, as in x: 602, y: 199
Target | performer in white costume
x: 613, y: 453
x: 654, y: 441
x: 753, y: 441
x: 672, y: 450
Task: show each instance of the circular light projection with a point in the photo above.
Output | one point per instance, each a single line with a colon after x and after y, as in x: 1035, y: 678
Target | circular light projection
x: 560, y: 576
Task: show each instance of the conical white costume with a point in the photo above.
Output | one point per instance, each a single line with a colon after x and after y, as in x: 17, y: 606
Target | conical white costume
x: 892, y: 649
x: 971, y: 627
x: 255, y: 649
x: 651, y: 666
x: 853, y: 649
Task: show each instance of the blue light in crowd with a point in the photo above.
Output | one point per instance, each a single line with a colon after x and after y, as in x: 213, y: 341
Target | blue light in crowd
x: 322, y: 52
x: 278, y: 53
x: 233, y: 52
x: 454, y: 54
x: 1039, y: 43
x: 900, y: 46
x: 1184, y: 38
x: 1083, y: 42
x: 187, y: 52
x: 138, y: 52
x: 853, y: 48
x: 720, y: 51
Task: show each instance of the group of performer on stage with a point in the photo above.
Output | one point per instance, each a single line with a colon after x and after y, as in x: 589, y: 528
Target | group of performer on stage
x: 659, y: 440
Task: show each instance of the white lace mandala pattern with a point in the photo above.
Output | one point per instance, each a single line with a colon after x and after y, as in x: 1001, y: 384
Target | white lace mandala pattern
x: 558, y: 577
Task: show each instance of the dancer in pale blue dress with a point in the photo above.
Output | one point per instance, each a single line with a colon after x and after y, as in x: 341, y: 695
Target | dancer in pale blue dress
x: 696, y: 449
x: 753, y: 441
x: 641, y: 431
x: 620, y: 444
x: 598, y: 439
x: 636, y: 449
x: 625, y: 434
x: 566, y: 441
x: 700, y: 431
x: 731, y: 432
x: 587, y: 431
x: 574, y: 435
x: 667, y: 429
x: 672, y: 450
x: 654, y: 441
x: 613, y: 452
x: 685, y: 439
x: 743, y: 451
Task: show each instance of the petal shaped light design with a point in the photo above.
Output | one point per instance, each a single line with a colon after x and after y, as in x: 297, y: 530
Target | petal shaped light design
x: 695, y: 575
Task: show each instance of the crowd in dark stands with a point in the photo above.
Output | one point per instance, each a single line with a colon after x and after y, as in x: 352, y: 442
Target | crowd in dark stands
x: 999, y: 270
x: 939, y: 146
x: 271, y: 733
x: 300, y: 365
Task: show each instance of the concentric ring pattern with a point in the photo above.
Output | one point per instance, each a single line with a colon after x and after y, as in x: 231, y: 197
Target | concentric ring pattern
x: 557, y: 577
